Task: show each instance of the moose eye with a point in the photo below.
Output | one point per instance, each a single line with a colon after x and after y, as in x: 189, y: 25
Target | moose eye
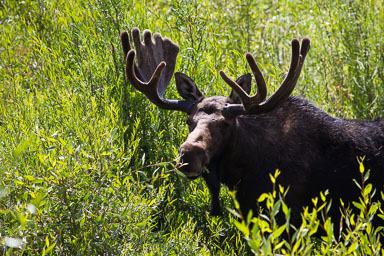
x: 208, y: 110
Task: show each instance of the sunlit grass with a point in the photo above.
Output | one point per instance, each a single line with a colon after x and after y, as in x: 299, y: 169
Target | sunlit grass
x: 81, y: 151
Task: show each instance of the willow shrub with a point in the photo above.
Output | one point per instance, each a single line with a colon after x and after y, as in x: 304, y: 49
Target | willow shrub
x: 316, y: 234
x: 86, y: 162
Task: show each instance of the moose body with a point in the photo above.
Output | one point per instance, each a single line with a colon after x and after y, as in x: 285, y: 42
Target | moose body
x: 314, y: 151
x: 240, y: 139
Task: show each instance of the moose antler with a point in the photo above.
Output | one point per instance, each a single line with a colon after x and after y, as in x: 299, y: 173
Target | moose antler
x: 257, y: 104
x: 156, y: 64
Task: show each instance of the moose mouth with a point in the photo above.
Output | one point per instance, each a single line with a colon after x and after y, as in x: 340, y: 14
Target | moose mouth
x: 192, y: 177
x: 191, y: 171
x: 191, y: 161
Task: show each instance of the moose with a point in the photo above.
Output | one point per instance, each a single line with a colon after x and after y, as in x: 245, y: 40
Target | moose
x: 238, y: 140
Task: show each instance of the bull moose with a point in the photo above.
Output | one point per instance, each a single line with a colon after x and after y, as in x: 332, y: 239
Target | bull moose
x: 240, y: 139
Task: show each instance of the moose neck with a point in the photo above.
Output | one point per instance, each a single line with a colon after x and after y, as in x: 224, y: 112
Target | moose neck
x: 297, y: 136
x: 279, y: 136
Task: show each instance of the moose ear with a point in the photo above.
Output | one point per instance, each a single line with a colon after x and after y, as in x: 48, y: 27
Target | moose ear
x: 245, y: 82
x: 187, y: 88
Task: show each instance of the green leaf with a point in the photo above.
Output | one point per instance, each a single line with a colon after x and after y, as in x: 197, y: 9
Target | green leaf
x: 366, y: 175
x: 143, y: 223
x: 50, y: 248
x: 314, y: 201
x: 253, y: 245
x: 262, y: 197
x: 272, y: 178
x: 285, y: 209
x: 242, y: 227
x: 277, y: 233
x: 352, y: 248
x: 367, y: 190
x: 46, y: 241
x: 277, y: 173
x: 323, y: 195
x: 279, y: 245
x: 358, y: 206
x: 296, y: 246
x: 21, y: 148
x: 361, y: 167
x: 82, y: 221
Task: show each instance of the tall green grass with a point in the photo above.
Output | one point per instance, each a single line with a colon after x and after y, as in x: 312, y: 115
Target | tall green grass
x: 87, y: 163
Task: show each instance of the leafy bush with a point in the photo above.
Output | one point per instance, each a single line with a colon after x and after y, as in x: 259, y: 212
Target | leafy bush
x: 87, y: 164
x: 316, y: 235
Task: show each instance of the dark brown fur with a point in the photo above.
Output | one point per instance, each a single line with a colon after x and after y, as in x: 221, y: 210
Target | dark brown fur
x: 242, y: 138
x: 314, y: 151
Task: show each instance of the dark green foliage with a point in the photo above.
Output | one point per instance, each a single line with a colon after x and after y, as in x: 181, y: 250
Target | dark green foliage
x: 86, y: 162
x: 316, y: 235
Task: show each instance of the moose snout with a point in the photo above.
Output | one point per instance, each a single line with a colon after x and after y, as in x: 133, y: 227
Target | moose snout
x: 191, y: 160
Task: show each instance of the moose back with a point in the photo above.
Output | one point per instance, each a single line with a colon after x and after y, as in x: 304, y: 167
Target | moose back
x: 240, y: 139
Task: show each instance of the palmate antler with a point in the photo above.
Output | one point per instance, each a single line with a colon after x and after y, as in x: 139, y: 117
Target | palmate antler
x: 156, y: 64
x: 257, y: 104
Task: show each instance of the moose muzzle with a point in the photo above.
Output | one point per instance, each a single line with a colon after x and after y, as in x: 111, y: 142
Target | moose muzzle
x: 191, y: 159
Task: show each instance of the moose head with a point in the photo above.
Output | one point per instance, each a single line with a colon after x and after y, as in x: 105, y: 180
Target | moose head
x: 210, y: 118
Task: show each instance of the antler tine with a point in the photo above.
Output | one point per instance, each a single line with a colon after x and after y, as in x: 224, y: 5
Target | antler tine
x: 242, y: 94
x: 289, y: 83
x: 305, y: 46
x: 287, y: 86
x: 125, y: 42
x: 126, y: 48
x: 149, y: 88
x: 153, y: 59
x: 252, y: 104
x: 261, y: 93
x: 260, y: 82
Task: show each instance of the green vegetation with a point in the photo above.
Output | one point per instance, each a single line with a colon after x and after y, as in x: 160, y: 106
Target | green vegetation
x: 357, y: 235
x: 87, y: 163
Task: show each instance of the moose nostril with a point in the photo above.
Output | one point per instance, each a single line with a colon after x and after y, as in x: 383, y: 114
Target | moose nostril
x: 189, y: 153
x: 188, y: 148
